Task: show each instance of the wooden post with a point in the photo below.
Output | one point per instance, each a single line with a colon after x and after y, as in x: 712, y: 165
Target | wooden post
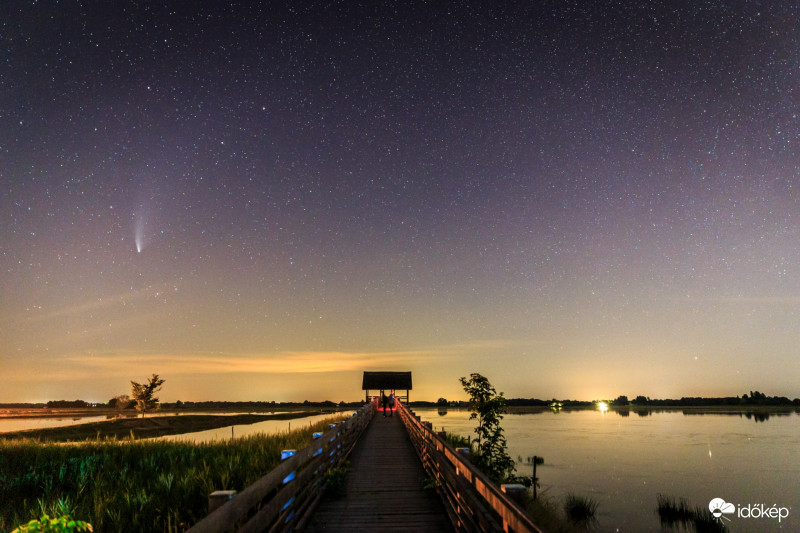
x: 515, y: 491
x: 285, y: 454
x: 218, y: 498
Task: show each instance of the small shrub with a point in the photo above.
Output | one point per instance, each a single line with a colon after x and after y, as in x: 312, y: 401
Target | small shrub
x: 430, y: 484
x: 335, y: 480
x: 457, y: 441
x: 580, y: 510
x: 62, y: 524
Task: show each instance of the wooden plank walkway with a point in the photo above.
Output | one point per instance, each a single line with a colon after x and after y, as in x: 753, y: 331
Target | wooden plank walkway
x: 384, y: 487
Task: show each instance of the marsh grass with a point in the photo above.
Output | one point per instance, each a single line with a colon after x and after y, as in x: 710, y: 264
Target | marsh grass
x: 704, y: 522
x: 676, y: 515
x: 672, y: 513
x: 336, y: 480
x: 551, y: 513
x: 124, y: 485
x: 457, y: 441
x: 580, y: 510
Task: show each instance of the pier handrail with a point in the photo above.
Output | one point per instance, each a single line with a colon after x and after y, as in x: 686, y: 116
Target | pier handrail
x: 283, y: 497
x: 472, y: 500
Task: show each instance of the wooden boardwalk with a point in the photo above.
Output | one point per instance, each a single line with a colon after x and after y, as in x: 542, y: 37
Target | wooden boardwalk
x: 384, y: 487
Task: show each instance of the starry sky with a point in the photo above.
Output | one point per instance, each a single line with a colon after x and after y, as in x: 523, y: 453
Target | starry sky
x: 261, y: 200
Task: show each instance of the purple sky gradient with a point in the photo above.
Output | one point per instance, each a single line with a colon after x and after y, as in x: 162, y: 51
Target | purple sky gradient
x: 258, y: 202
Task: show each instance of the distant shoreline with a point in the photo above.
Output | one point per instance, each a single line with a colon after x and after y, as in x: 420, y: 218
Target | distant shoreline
x: 694, y: 409
x: 83, y: 412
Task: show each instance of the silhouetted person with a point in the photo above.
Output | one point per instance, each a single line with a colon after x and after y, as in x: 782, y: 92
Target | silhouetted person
x: 391, y: 404
x: 384, y: 402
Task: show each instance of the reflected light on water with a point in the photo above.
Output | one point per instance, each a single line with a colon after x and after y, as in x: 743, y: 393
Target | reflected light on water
x: 625, y: 462
x: 602, y: 406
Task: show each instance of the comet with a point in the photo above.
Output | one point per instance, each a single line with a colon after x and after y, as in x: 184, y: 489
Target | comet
x: 139, y: 235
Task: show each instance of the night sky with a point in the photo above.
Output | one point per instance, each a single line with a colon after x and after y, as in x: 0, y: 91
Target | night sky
x: 259, y: 201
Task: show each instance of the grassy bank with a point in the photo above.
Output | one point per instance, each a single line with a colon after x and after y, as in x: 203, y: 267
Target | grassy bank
x: 133, y: 486
x: 146, y: 427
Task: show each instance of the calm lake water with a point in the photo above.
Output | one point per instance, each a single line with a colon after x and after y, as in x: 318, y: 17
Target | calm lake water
x: 19, y: 424
x: 624, y: 462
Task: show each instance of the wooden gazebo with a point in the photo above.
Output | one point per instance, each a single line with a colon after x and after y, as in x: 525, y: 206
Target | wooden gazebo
x: 386, y: 381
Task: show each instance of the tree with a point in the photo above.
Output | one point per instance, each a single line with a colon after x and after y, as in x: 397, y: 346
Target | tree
x: 143, y: 394
x: 441, y: 402
x: 488, y: 407
x: 621, y: 400
x: 123, y: 401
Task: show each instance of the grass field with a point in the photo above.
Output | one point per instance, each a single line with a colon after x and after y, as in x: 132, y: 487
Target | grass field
x: 122, y: 485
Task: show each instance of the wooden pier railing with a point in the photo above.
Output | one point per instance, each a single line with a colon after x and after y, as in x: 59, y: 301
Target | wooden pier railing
x: 283, y: 497
x: 474, y: 503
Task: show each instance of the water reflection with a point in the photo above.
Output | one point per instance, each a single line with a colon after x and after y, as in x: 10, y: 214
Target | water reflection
x: 624, y: 461
x: 757, y: 416
x: 20, y: 424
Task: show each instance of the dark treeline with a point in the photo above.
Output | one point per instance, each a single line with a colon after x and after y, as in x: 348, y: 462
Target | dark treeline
x: 510, y: 402
x: 211, y: 405
x: 66, y: 404
x: 753, y: 398
x: 534, y: 402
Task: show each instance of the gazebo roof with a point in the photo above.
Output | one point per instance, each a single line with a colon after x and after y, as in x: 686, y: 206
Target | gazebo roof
x: 386, y: 380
